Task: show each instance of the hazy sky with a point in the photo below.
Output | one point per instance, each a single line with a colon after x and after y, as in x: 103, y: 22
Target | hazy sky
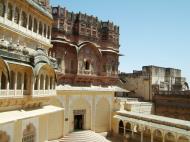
x: 152, y: 32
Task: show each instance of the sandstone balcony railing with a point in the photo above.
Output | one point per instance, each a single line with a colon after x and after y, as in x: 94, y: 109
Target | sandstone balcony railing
x: 3, y: 93
x: 11, y: 93
x: 44, y: 93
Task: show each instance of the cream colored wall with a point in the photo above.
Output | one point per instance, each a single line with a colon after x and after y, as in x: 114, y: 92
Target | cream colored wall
x: 43, y: 128
x: 140, y: 86
x: 55, y: 125
x: 102, y: 115
x: 48, y: 127
x: 18, y: 134
x: 97, y: 105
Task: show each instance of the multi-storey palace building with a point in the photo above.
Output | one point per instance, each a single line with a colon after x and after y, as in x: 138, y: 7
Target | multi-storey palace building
x: 87, y: 52
x: 59, y: 74
x: 27, y: 75
x: 87, y: 49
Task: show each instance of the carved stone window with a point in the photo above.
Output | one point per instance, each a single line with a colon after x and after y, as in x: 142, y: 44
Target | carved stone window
x: 35, y: 26
x: 29, y: 134
x: 10, y: 11
x: 4, y: 137
x: 2, y: 8
x: 23, y: 19
x: 17, y: 15
x: 87, y: 65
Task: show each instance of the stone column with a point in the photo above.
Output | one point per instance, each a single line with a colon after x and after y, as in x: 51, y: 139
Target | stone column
x: 22, y: 84
x: 163, y: 137
x: 43, y: 30
x: 46, y: 31
x: 110, y: 106
x: 6, y: 7
x: 44, y: 84
x: 32, y: 82
x: 50, y: 32
x: 38, y: 22
x: 152, y: 136
x: 13, y: 13
x: 38, y: 87
x: 0, y: 79
x: 141, y: 135
x: 91, y: 125
x: 20, y: 15
x: 7, y: 85
x: 94, y: 114
x: 27, y: 23
x: 32, y: 24
x: 124, y: 129
x: 15, y: 84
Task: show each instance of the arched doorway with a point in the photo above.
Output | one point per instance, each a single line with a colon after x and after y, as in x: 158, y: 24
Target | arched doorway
x: 80, y: 112
x: 29, y: 134
x: 128, y: 127
x: 157, y: 136
x: 121, y: 127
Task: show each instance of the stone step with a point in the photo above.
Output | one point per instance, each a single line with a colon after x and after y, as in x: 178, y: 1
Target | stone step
x: 84, y: 136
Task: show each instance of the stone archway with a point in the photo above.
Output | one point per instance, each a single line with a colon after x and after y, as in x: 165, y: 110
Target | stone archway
x: 157, y: 134
x: 102, y: 119
x: 183, y: 139
x: 81, y: 107
x: 121, y: 127
x: 89, y: 53
x: 128, y: 127
x: 169, y: 137
x: 4, y: 137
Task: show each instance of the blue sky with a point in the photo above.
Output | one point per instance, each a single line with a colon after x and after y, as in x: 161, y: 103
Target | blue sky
x: 152, y: 32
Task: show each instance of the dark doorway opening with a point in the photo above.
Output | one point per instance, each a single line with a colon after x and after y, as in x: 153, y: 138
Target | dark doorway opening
x: 78, y: 122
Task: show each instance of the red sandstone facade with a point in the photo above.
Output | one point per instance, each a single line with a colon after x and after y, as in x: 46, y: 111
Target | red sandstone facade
x: 87, y: 50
